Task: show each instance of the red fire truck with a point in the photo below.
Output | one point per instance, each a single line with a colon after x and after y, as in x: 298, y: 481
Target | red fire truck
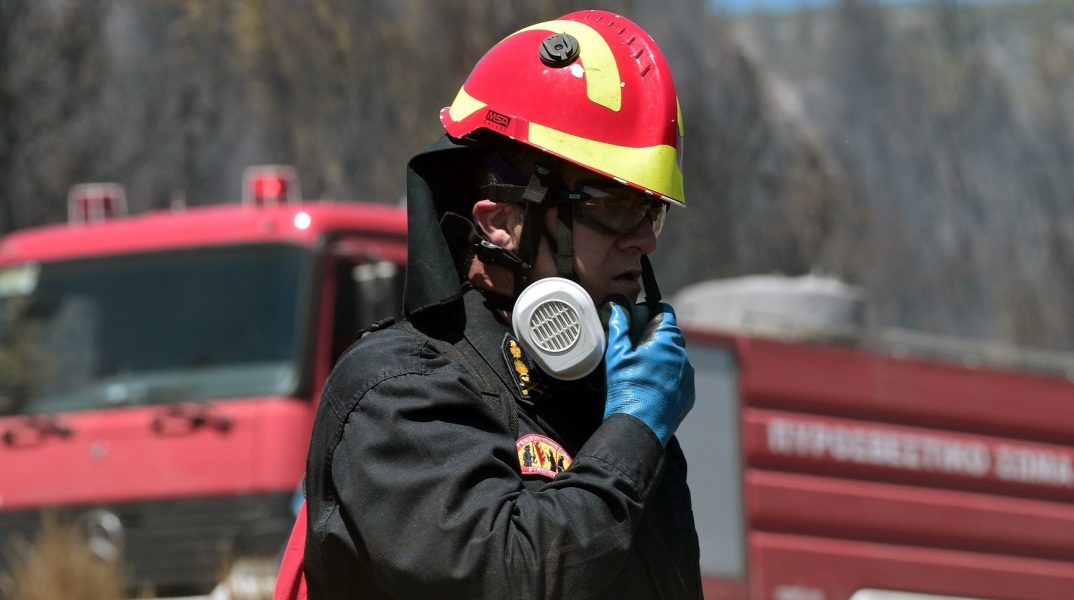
x: 827, y: 464
x: 159, y: 373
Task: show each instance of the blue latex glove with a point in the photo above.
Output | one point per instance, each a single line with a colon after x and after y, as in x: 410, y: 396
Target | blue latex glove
x: 649, y: 375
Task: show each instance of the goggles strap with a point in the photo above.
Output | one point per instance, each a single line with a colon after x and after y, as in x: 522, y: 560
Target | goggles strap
x: 503, y: 192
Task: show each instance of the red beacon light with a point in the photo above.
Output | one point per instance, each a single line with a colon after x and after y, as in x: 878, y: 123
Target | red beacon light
x: 269, y: 185
x: 94, y: 202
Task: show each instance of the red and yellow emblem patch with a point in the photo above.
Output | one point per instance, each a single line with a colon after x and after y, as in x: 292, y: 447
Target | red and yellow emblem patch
x: 540, y: 455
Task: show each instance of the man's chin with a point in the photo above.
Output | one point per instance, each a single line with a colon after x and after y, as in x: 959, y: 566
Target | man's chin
x: 627, y: 288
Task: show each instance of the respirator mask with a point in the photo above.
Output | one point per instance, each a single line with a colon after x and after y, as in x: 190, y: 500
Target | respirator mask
x: 557, y: 324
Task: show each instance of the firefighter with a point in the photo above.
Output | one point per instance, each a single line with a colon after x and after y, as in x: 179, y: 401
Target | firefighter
x: 450, y: 457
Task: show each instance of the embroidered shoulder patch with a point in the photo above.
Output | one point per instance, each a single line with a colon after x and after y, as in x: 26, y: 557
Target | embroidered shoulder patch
x: 522, y: 369
x: 540, y: 455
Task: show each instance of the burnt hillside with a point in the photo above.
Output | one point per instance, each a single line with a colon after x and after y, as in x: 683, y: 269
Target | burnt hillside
x: 954, y: 123
x: 923, y: 152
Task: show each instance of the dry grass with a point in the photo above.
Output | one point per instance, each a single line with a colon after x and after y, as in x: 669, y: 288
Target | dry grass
x: 58, y: 564
x: 250, y: 579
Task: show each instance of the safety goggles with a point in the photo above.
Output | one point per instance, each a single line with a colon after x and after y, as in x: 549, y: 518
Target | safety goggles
x: 615, y: 208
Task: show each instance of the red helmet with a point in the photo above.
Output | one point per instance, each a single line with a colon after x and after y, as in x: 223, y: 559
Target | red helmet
x: 590, y: 87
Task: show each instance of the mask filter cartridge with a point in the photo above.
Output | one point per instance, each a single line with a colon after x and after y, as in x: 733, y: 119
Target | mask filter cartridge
x: 558, y: 325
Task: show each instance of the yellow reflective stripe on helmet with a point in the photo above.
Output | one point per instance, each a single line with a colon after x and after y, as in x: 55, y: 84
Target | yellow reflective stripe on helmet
x: 602, y: 81
x: 464, y: 106
x: 644, y: 167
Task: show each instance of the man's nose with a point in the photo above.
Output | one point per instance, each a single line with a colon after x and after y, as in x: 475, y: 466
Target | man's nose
x: 643, y: 238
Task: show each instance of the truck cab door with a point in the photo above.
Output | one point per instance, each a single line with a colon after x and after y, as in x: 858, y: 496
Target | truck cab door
x: 364, y: 286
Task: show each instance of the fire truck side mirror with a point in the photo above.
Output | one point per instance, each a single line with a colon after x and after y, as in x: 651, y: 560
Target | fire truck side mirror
x: 269, y: 185
x: 92, y: 202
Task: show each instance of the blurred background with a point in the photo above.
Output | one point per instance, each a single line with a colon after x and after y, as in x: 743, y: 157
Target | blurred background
x: 922, y: 150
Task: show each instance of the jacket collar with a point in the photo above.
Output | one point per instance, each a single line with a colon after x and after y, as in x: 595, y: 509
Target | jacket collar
x: 434, y: 188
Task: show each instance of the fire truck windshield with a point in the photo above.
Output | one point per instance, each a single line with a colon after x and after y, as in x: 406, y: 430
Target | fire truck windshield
x: 165, y: 327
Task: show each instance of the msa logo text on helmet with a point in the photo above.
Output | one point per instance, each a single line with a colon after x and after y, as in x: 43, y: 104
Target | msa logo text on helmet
x: 497, y: 120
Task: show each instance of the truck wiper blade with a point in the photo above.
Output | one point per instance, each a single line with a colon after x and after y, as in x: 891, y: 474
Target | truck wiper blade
x: 195, y: 414
x: 41, y: 425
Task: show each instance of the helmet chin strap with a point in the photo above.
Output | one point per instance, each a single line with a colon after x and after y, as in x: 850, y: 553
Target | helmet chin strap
x: 533, y: 211
x: 534, y: 207
x: 534, y: 200
x: 562, y: 245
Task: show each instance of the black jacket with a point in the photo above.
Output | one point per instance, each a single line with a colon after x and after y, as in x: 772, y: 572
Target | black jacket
x: 415, y: 489
x: 415, y: 484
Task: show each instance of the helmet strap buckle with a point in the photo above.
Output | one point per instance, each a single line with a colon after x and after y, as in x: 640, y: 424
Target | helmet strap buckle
x: 533, y: 210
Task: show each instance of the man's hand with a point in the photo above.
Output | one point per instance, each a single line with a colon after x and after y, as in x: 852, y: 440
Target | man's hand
x: 649, y: 375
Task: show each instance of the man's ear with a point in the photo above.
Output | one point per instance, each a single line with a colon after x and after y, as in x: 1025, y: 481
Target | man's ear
x: 499, y: 222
